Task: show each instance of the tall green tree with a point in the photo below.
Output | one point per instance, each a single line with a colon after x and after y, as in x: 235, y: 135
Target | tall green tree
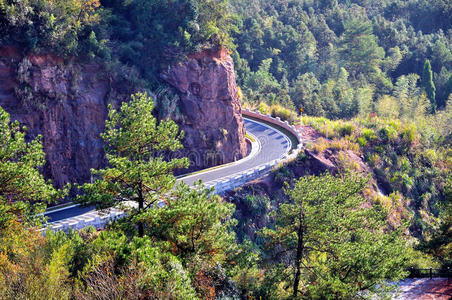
x: 330, y: 243
x: 427, y: 83
x: 195, y: 225
x: 23, y: 190
x: 359, y: 49
x: 262, y: 82
x: 135, y: 149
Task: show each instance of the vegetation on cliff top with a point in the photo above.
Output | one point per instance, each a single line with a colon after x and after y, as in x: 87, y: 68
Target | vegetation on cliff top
x: 139, y: 33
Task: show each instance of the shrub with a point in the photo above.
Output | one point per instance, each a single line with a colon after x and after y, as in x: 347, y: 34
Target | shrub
x: 362, y: 141
x: 328, y: 130
x: 388, y: 134
x: 379, y: 149
x: 264, y: 108
x: 373, y: 159
x: 369, y: 134
x: 345, y: 129
x: 408, y: 134
x: 320, y: 145
x: 283, y: 113
x: 345, y: 164
x: 257, y: 204
x: 343, y: 144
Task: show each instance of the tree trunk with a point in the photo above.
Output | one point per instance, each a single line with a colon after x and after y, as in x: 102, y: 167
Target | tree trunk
x: 300, y: 247
x: 140, y: 208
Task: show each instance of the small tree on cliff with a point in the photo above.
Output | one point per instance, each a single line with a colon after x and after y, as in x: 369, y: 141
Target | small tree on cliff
x: 138, y: 172
x: 23, y: 190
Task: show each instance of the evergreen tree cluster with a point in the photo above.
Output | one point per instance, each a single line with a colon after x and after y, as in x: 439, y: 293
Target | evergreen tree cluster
x: 337, y: 58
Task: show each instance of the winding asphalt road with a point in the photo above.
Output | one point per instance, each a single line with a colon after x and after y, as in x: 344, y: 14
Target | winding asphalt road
x: 272, y: 144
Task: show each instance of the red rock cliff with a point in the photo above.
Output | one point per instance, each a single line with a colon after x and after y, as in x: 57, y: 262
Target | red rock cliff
x: 67, y: 103
x: 212, y: 118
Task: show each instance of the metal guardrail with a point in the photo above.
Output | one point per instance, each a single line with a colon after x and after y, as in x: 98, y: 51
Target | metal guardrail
x: 275, y: 121
x: 430, y: 273
x: 240, y: 179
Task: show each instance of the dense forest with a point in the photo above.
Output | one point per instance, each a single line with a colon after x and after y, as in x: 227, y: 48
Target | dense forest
x: 373, y: 78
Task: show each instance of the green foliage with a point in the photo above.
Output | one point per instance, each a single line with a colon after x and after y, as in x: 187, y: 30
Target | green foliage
x: 186, y: 240
x: 27, y: 271
x: 411, y: 158
x: 262, y: 82
x: 195, y: 222
x: 427, y: 83
x: 139, y: 34
x: 148, y: 272
x: 440, y: 244
x: 62, y: 26
x: 277, y: 110
x: 24, y: 192
x: 288, y: 52
x: 149, y: 33
x: 313, y: 45
x: 330, y: 244
x: 369, y: 134
x: 135, y: 145
x: 359, y: 49
x: 335, y: 59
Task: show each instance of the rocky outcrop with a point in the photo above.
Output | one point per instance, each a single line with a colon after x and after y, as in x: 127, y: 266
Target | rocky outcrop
x: 66, y: 102
x: 212, y: 119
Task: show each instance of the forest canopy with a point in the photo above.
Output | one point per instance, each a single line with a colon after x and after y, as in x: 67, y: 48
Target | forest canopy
x: 336, y: 58
x: 327, y: 57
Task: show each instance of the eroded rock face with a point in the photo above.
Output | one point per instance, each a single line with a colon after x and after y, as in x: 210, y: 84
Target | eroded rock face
x: 212, y: 119
x: 64, y: 103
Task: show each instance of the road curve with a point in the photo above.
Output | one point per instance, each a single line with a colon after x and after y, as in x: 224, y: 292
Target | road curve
x: 273, y: 144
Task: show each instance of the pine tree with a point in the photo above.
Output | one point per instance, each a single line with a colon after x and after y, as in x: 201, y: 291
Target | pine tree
x: 195, y: 222
x: 330, y: 243
x: 359, y: 49
x: 428, y: 85
x: 135, y: 146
